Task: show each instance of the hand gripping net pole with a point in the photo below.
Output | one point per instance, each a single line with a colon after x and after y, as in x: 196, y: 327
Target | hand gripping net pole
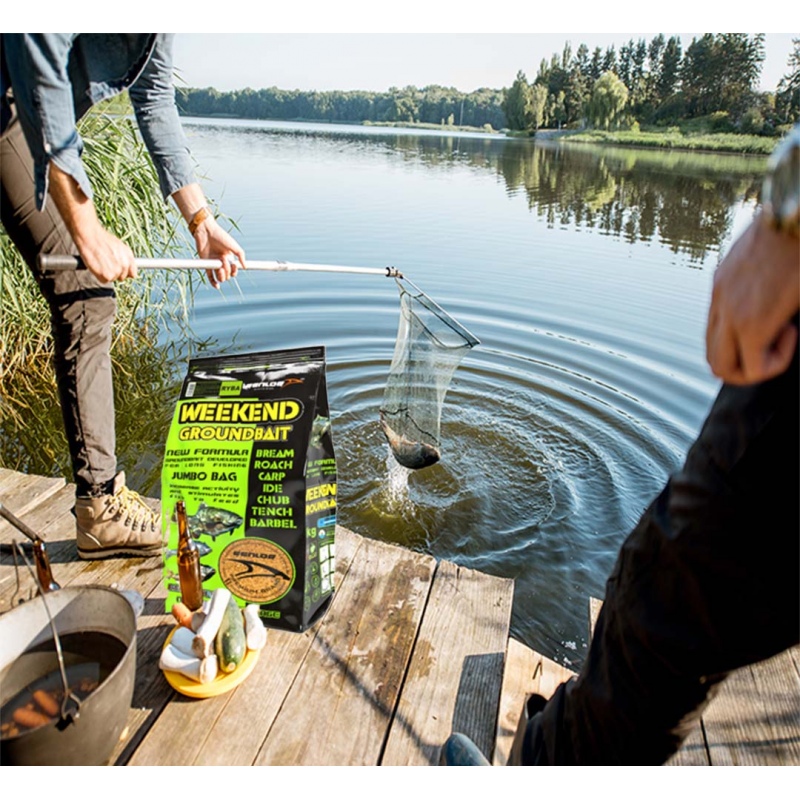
x: 429, y: 347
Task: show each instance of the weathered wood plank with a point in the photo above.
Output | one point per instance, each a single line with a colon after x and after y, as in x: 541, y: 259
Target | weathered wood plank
x: 22, y: 493
x: 779, y: 686
x: 527, y: 672
x: 455, y: 676
x: 340, y: 704
x: 594, y: 612
x: 694, y: 750
x: 41, y: 516
x: 755, y: 717
x: 68, y: 569
x: 259, y: 699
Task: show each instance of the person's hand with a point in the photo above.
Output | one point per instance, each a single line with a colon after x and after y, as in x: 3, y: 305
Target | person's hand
x: 750, y: 335
x: 109, y: 258
x: 214, y: 242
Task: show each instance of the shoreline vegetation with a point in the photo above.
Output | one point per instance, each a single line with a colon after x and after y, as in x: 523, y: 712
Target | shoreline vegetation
x: 673, y: 138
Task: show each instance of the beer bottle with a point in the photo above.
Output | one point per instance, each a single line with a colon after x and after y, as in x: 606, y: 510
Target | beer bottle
x: 43, y: 570
x: 188, y: 562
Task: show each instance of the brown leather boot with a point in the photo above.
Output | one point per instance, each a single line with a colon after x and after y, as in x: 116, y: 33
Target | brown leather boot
x: 117, y: 524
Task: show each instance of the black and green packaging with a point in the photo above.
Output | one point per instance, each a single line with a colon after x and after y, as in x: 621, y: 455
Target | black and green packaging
x: 250, y: 452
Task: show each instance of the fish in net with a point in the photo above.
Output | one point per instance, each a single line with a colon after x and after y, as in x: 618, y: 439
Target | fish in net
x: 429, y: 347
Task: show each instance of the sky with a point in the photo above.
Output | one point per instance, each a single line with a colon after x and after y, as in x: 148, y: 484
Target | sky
x: 363, y: 44
x: 378, y: 61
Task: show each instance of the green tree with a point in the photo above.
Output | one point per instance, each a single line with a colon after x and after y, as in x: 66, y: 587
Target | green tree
x: 581, y: 62
x: 667, y: 80
x: 624, y: 63
x: 517, y: 104
x: 610, y: 59
x: 596, y: 65
x: 787, y: 97
x: 576, y: 93
x: 538, y: 106
x: 609, y: 98
x: 720, y: 72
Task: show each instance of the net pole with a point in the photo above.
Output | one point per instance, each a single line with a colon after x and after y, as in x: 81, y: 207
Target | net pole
x: 49, y: 262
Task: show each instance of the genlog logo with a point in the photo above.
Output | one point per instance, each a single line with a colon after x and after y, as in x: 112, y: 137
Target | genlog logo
x: 257, y: 570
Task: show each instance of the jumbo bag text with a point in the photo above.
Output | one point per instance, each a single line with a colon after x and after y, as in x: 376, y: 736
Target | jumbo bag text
x: 250, y: 452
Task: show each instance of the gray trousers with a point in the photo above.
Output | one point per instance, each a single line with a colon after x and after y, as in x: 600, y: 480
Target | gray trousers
x: 82, y: 311
x: 707, y: 582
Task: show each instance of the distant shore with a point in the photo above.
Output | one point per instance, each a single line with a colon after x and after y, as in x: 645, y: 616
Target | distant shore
x: 668, y: 139
x: 672, y: 139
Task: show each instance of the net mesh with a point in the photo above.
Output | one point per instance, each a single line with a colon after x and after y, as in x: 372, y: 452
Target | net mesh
x: 429, y: 347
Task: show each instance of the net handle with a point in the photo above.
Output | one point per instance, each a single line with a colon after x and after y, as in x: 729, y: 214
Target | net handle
x: 49, y: 262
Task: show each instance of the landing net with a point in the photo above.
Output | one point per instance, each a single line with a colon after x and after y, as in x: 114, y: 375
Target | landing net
x: 429, y: 347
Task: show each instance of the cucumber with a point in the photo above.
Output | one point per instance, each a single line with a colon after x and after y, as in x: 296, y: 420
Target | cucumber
x: 231, y: 642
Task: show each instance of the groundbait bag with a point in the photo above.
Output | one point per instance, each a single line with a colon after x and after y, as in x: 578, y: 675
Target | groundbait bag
x: 250, y: 453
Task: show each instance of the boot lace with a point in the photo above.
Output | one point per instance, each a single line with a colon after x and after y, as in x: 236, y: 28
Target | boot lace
x: 137, y: 513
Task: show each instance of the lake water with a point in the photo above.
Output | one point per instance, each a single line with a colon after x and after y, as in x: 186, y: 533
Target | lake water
x: 585, y: 274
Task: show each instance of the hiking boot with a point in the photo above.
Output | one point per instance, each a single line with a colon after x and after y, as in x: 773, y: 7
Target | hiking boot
x: 117, y: 524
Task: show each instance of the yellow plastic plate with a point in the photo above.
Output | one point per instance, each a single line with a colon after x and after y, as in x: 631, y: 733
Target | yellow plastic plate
x: 224, y: 682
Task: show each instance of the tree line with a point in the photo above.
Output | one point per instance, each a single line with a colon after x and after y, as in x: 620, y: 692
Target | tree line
x: 432, y: 105
x: 649, y: 83
x: 657, y: 83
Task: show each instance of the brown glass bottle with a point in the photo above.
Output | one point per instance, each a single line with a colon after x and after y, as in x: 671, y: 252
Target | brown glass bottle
x: 188, y: 562
x: 43, y: 571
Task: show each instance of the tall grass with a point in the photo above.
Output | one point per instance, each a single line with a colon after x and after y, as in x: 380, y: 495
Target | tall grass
x: 129, y: 203
x: 674, y: 138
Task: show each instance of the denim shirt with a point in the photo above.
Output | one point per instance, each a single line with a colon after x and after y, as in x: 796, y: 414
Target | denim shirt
x: 56, y: 77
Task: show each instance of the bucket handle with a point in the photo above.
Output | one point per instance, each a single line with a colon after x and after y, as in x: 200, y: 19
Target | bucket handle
x: 67, y: 715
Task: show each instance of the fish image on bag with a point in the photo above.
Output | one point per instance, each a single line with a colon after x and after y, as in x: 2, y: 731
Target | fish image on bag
x: 213, y: 522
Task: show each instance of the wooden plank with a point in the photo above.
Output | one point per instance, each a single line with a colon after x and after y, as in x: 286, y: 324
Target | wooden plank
x: 527, y: 672
x: 22, y: 493
x: 456, y: 671
x: 779, y: 686
x: 51, y: 520
x: 755, y: 716
x: 594, y: 611
x: 41, y: 516
x: 694, y: 750
x: 63, y: 558
x: 340, y: 705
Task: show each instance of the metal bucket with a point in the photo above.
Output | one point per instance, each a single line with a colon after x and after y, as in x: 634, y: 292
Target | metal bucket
x: 89, y: 733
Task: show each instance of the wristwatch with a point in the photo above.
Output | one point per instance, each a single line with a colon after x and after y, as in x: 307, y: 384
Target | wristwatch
x: 781, y: 189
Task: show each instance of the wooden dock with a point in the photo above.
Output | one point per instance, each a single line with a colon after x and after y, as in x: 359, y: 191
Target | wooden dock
x: 410, y: 649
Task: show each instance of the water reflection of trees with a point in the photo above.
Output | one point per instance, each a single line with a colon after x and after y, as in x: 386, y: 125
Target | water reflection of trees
x: 683, y: 200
